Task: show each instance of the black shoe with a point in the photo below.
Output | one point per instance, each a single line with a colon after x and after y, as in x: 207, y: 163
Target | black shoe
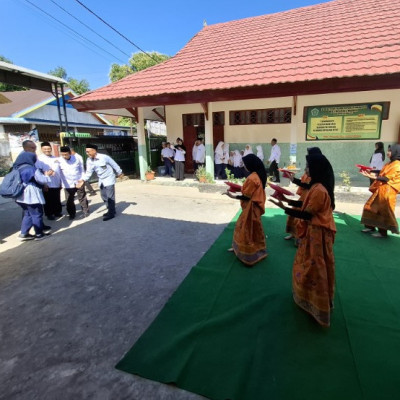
x: 46, y: 229
x: 106, y: 214
x: 108, y: 217
x: 25, y: 237
x: 58, y: 215
x: 71, y: 217
x: 51, y: 217
x: 40, y: 236
x: 92, y: 194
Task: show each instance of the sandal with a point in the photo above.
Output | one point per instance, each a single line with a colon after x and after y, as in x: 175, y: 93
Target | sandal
x: 368, y: 230
x: 379, y: 235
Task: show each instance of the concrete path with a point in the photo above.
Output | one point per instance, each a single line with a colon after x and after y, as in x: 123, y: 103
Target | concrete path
x: 71, y: 305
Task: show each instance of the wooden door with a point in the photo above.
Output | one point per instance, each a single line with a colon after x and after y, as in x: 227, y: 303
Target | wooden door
x: 218, y: 127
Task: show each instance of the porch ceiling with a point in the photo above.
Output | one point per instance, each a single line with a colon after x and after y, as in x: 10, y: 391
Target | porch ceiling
x: 148, y: 112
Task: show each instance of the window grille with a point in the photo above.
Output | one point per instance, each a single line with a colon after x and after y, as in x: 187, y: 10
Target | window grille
x: 263, y: 116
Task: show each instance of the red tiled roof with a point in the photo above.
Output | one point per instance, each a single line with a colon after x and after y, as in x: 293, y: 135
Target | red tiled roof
x: 338, y: 39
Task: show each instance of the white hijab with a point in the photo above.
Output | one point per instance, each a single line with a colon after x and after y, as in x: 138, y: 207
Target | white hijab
x: 247, y: 150
x: 219, y: 150
x: 237, y: 159
x: 260, y: 153
x: 226, y: 153
x: 219, y: 153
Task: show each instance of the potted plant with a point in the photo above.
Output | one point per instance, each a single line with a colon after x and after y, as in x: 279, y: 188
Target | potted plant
x: 149, y: 174
x: 201, y: 174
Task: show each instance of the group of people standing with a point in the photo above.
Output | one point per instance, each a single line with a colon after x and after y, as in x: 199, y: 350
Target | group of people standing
x: 310, y: 217
x: 310, y: 221
x: 313, y: 267
x: 378, y: 214
x: 44, y: 177
x: 233, y: 160
x: 174, y: 157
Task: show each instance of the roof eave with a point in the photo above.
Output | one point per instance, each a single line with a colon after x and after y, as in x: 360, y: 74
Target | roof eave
x: 24, y: 77
x: 332, y: 85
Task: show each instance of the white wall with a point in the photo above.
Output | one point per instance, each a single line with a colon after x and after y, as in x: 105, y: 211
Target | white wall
x: 265, y: 132
x: 262, y: 133
x: 174, y: 118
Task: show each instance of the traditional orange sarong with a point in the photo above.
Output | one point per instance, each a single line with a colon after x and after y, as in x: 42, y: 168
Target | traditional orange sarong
x: 248, y: 238
x: 291, y: 222
x: 379, y: 209
x: 313, y: 276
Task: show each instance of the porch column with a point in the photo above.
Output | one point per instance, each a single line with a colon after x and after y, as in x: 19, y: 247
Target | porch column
x: 143, y: 163
x: 293, y: 133
x: 208, y: 136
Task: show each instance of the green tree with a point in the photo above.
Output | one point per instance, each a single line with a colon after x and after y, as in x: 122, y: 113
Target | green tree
x: 4, y: 87
x: 137, y: 62
x: 59, y: 72
x: 118, y: 72
x: 78, y: 86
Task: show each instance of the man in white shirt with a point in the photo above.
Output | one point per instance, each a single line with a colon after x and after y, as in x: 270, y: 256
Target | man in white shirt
x: 71, y: 171
x: 167, y: 155
x: 199, y: 154
x: 273, y: 161
x: 106, y: 169
x: 51, y: 191
x: 88, y: 186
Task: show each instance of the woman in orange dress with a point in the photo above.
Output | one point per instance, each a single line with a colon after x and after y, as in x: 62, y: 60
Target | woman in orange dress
x: 249, y: 242
x: 313, y: 276
x: 379, y: 209
x: 303, y: 186
x: 302, y: 190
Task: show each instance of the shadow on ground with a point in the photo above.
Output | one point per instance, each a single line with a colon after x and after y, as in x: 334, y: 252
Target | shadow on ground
x: 72, y: 304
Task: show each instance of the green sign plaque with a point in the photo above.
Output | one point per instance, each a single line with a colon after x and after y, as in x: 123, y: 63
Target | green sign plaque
x: 344, y: 122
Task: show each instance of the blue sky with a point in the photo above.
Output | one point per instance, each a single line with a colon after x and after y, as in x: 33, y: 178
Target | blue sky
x: 31, y: 39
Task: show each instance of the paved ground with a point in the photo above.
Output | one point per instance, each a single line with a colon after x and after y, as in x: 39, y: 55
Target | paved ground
x: 73, y: 304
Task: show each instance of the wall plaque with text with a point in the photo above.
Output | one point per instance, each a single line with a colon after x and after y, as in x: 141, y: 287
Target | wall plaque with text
x: 344, y: 122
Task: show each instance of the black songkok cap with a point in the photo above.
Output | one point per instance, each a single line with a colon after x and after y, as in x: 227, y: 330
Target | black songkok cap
x: 91, y: 146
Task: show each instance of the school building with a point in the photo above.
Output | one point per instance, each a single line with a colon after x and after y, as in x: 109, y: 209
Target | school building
x: 326, y: 75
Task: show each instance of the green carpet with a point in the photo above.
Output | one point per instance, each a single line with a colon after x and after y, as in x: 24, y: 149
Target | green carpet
x: 231, y: 332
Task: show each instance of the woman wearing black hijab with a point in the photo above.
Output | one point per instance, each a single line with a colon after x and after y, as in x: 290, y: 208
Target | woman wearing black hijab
x: 303, y: 187
x: 313, y: 276
x: 379, y: 209
x: 179, y: 158
x: 377, y: 159
x: 248, y: 238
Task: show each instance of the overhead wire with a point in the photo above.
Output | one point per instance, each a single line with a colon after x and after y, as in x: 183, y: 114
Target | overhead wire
x: 64, y: 31
x: 115, y: 30
x: 75, y: 32
x: 88, y: 27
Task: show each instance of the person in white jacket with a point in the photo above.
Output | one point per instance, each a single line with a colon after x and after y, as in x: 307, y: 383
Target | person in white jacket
x: 219, y: 160
x: 260, y: 153
x: 199, y: 154
x: 273, y: 161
